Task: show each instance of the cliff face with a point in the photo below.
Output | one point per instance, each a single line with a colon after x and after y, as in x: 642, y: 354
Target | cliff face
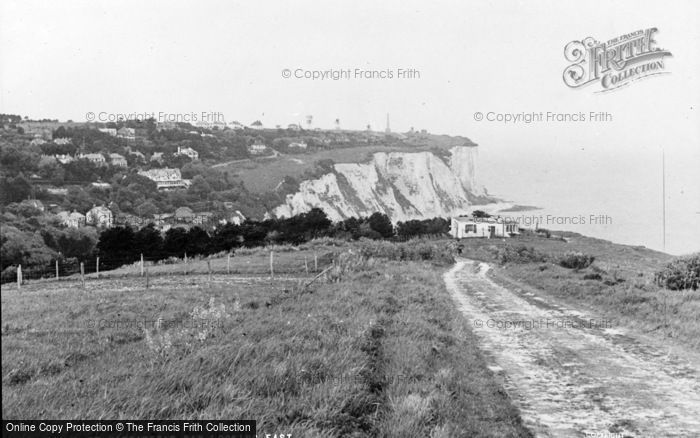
x: 403, y: 185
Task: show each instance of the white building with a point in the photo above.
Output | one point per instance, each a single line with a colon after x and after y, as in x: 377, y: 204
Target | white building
x: 257, y: 149
x: 166, y: 179
x: 117, y: 160
x: 99, y: 216
x: 188, y: 151
x: 73, y: 220
x: 463, y: 227
x: 109, y: 131
x: 236, y: 125
x: 126, y: 133
x: 64, y: 158
x: 298, y: 145
x: 98, y: 159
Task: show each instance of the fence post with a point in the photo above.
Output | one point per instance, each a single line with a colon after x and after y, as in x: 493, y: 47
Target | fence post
x: 306, y: 265
x: 185, y: 263
x: 19, y: 277
x: 142, y: 264
x: 148, y: 279
x: 272, y: 269
x: 82, y: 273
x: 315, y: 262
x: 97, y: 267
x: 209, y: 269
x: 56, y: 269
x: 228, y: 263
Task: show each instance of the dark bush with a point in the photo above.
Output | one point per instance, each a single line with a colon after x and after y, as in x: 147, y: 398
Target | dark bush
x: 576, y: 260
x: 593, y: 276
x: 519, y: 254
x: 682, y: 273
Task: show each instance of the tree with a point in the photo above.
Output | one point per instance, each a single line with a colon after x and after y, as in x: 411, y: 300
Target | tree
x: 149, y: 242
x: 198, y: 241
x: 381, y: 223
x: 15, y: 189
x: 315, y: 221
x: 116, y: 247
x: 200, y: 187
x: 480, y: 214
x: 175, y: 243
x: 410, y: 228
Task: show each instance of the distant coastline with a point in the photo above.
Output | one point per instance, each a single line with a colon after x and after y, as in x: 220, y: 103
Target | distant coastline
x: 519, y: 208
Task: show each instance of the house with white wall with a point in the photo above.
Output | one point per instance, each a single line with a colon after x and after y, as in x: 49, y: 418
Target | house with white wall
x: 462, y: 227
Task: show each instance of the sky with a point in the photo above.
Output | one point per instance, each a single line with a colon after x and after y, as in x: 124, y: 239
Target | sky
x: 65, y: 59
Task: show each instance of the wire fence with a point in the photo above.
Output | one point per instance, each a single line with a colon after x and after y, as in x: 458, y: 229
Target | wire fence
x: 269, y: 265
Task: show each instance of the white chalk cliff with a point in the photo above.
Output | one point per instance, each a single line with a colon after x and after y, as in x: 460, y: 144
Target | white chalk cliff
x: 404, y: 185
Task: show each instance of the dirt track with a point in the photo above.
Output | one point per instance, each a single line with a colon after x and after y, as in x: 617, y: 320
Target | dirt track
x: 571, y: 375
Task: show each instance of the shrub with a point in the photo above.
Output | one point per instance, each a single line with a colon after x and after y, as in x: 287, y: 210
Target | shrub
x: 415, y: 250
x: 682, y: 273
x: 576, y: 260
x: 519, y: 254
x: 593, y: 276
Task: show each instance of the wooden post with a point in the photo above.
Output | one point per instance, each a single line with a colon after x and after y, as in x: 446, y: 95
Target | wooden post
x: 272, y: 269
x: 148, y: 279
x: 82, y: 273
x: 209, y: 269
x: 315, y: 262
x: 142, y: 265
x: 228, y: 263
x: 306, y: 265
x: 56, y: 269
x: 185, y: 263
x: 19, y: 277
x: 97, y: 267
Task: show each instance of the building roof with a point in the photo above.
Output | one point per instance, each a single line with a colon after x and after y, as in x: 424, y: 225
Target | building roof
x: 160, y: 175
x: 184, y: 212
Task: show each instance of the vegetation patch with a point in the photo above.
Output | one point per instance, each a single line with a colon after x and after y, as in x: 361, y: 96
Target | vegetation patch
x: 682, y: 273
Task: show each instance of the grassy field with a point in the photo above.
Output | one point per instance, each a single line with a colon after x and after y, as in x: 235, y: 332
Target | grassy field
x: 375, y: 348
x: 264, y: 175
x: 618, y: 285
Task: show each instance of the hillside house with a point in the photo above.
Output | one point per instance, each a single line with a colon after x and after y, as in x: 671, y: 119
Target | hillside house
x: 256, y: 125
x: 236, y: 125
x: 184, y: 214
x: 63, y: 140
x: 128, y: 134
x: 298, y: 145
x: 257, y: 149
x: 109, y: 131
x: 166, y: 179
x: 188, y: 151
x: 294, y: 127
x: 161, y: 219
x: 129, y: 219
x: 100, y: 216
x: 117, y: 160
x: 101, y: 185
x: 73, y: 220
x: 157, y: 156
x: 97, y: 159
x: 64, y: 158
x: 202, y: 217
x: 462, y: 227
